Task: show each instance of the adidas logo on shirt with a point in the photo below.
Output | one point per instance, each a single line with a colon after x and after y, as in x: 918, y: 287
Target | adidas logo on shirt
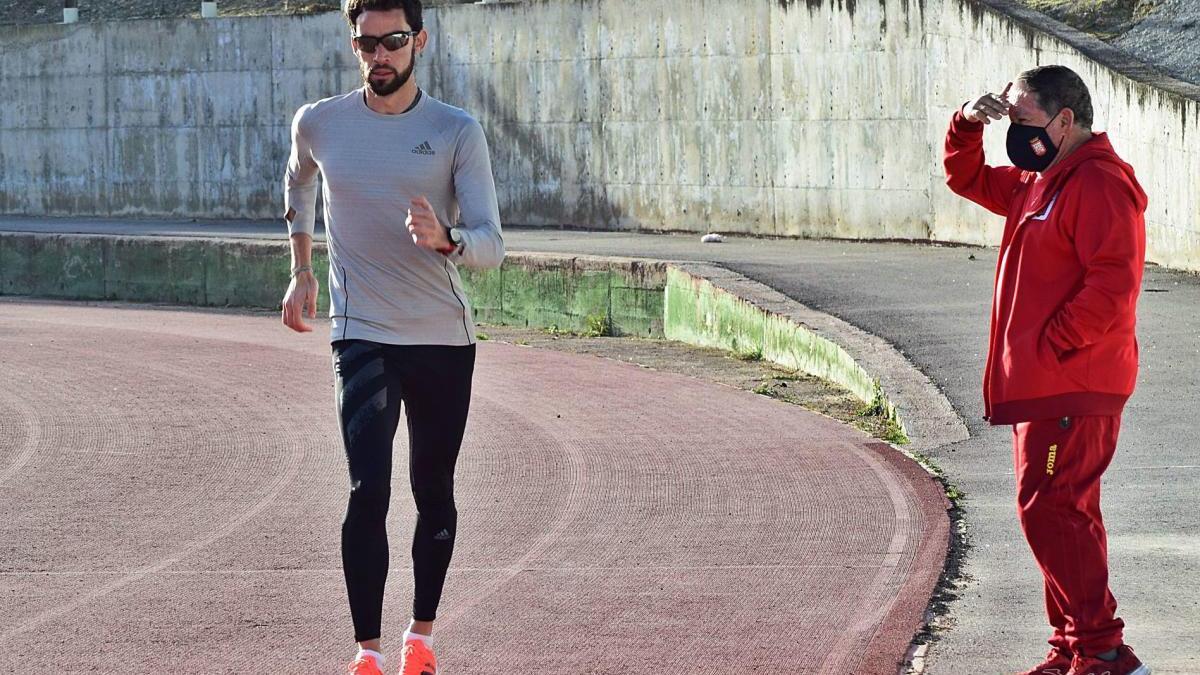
x: 424, y: 149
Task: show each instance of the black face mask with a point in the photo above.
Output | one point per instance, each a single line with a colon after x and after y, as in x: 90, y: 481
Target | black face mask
x: 1030, y: 147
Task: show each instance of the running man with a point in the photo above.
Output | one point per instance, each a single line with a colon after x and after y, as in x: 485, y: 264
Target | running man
x: 1063, y: 358
x: 409, y: 196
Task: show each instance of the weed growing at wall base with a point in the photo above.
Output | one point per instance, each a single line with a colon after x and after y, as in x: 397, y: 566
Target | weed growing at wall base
x: 754, y: 355
x: 889, y: 428
x: 598, y: 325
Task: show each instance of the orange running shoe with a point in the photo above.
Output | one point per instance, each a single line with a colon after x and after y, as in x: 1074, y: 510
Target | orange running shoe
x: 365, y: 664
x: 417, y: 659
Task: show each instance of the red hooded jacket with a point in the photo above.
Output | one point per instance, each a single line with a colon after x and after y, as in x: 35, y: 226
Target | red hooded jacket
x: 1067, y: 282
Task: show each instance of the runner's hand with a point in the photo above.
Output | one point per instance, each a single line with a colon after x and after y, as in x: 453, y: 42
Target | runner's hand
x: 424, y: 227
x: 988, y: 107
x: 300, y: 301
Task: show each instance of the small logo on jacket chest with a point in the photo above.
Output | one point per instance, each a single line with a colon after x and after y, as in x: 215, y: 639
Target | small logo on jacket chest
x: 423, y: 149
x: 1050, y: 460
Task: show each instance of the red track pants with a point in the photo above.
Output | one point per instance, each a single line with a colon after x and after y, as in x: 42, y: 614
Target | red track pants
x: 1059, y: 463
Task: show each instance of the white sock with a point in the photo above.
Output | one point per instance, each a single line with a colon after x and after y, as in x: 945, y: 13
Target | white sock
x: 372, y: 652
x: 427, y: 639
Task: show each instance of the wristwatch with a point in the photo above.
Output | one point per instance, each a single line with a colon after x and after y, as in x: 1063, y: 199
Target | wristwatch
x: 456, y: 241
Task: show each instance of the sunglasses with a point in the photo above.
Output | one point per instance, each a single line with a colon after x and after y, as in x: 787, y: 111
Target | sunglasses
x: 390, y: 42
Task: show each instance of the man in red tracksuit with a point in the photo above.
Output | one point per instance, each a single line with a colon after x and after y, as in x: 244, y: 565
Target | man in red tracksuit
x: 1063, y: 356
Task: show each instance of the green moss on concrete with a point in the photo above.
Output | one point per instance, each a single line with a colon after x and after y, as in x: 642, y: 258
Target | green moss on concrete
x: 177, y: 271
x: 486, y: 292
x: 15, y: 255
x: 590, y: 296
x: 698, y: 312
x: 70, y: 260
x: 793, y: 346
x: 248, y: 274
x: 566, y: 293
x: 55, y: 266
x: 637, y: 311
x: 81, y: 272
x: 572, y: 294
x: 537, y: 296
x: 154, y: 270
x: 637, y: 301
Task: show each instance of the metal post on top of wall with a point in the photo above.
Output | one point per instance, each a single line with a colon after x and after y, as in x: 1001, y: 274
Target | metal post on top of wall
x: 70, y: 11
x: 208, y: 10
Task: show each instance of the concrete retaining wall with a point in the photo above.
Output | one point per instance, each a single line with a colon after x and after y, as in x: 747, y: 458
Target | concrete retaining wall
x: 731, y: 115
x: 776, y: 117
x: 184, y: 118
x: 203, y: 272
x: 572, y: 293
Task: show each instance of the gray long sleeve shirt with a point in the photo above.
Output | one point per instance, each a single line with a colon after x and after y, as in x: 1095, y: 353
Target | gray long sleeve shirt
x: 382, y: 286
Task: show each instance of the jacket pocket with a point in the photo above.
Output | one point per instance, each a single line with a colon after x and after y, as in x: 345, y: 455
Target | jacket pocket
x: 1046, y: 356
x: 1072, y: 366
x: 1077, y: 364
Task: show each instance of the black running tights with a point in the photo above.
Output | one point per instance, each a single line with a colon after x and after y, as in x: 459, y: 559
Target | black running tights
x: 434, y: 384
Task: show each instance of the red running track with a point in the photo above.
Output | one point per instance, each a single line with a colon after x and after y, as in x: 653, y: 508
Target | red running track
x: 171, y: 489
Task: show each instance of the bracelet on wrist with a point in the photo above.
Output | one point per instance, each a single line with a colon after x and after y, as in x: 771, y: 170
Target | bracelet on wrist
x: 302, y: 268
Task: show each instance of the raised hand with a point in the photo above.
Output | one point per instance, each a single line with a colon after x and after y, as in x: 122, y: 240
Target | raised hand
x: 989, y: 107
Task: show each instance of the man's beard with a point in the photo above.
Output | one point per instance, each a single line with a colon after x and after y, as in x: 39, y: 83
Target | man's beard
x: 392, y: 85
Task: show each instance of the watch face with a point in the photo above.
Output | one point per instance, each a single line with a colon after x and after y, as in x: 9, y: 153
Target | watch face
x: 455, y: 235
